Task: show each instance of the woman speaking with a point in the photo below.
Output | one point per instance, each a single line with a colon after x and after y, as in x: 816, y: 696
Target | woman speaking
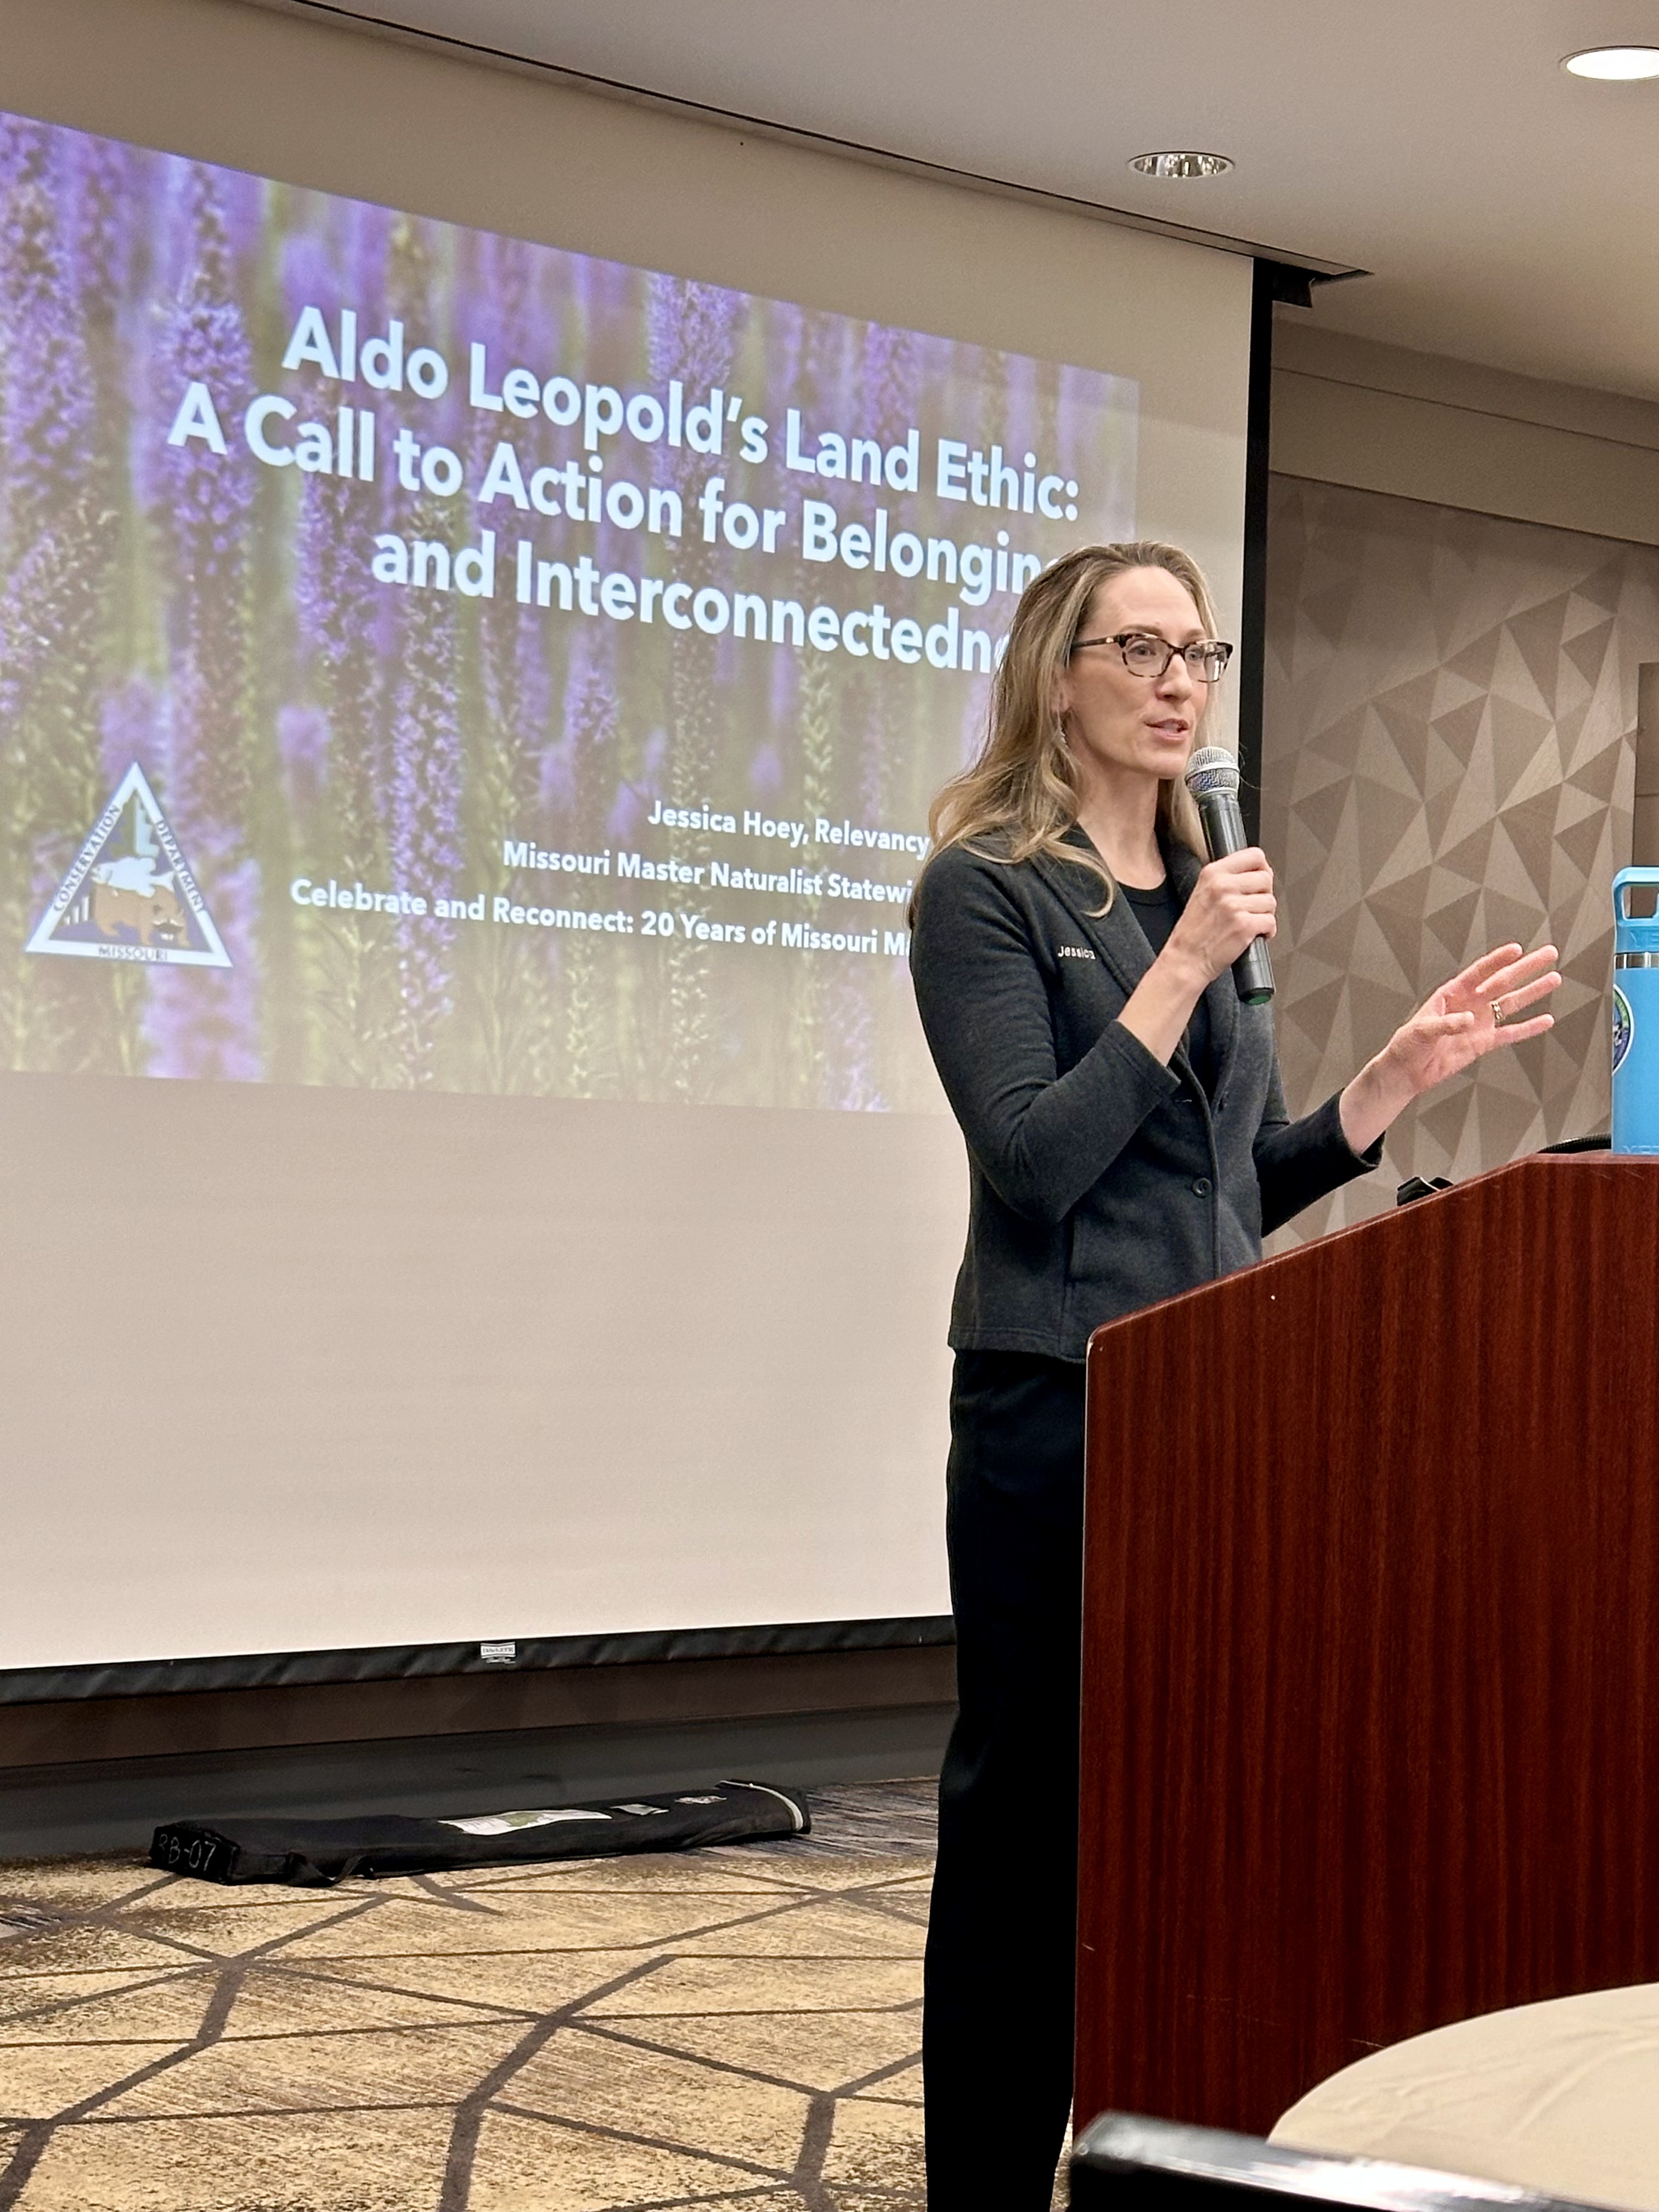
x: 1127, y: 1140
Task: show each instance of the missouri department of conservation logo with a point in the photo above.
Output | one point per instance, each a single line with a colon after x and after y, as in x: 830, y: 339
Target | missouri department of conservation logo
x: 129, y: 895
x: 1624, y: 1027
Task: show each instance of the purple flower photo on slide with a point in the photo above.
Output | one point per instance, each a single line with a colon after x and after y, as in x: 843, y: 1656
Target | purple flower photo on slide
x: 544, y: 664
x: 425, y: 809
x: 207, y: 1021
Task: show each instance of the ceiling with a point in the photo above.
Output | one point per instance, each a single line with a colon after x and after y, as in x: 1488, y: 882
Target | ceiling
x: 1504, y: 212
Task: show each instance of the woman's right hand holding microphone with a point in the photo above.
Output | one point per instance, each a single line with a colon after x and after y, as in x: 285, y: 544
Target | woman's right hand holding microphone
x: 1231, y: 904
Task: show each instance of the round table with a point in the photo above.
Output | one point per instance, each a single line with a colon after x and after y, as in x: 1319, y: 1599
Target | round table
x: 1561, y: 2097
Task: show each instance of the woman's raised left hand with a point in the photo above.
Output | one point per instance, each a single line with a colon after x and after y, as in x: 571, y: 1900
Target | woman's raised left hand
x: 1487, y: 1006
x: 1492, y: 1003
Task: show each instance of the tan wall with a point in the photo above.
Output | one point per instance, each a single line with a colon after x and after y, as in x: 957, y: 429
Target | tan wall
x: 1377, y: 417
x: 1644, y: 824
x: 1451, y: 701
x: 1461, y: 604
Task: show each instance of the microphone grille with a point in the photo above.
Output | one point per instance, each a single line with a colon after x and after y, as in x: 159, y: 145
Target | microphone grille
x: 1213, y: 768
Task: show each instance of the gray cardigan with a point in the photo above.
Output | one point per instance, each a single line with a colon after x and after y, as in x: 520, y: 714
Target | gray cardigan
x: 1100, y: 1180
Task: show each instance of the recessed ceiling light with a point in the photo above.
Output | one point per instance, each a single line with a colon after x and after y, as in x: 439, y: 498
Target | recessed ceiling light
x: 1614, y: 64
x: 1182, y: 165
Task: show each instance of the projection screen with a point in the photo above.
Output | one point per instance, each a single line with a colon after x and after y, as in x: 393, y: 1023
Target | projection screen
x: 479, y: 639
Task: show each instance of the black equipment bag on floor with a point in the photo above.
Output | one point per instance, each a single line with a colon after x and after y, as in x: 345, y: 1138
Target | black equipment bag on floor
x: 312, y: 1854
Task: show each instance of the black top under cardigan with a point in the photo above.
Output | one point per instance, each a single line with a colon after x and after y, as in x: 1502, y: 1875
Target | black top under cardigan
x: 1101, y: 1181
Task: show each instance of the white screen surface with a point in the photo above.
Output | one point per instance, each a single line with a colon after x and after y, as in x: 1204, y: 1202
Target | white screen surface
x: 494, y: 1277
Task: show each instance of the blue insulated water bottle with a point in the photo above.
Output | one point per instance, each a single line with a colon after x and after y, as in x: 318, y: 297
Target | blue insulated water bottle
x: 1636, y: 1011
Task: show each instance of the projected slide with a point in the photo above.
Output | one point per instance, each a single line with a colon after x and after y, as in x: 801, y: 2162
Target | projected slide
x: 432, y: 659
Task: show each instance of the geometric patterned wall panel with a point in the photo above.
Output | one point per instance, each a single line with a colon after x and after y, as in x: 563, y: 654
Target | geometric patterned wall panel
x: 1448, y: 764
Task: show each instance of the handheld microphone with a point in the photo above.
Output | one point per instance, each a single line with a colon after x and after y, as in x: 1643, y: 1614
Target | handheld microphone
x: 1212, y: 778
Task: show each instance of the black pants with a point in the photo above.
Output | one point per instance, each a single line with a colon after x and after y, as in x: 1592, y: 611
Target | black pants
x: 997, y: 2024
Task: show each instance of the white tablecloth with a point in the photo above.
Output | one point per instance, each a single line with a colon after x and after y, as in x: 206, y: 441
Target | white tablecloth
x: 1561, y: 2097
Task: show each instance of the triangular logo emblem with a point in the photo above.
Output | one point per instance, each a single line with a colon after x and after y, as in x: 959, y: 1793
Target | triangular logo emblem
x: 129, y: 895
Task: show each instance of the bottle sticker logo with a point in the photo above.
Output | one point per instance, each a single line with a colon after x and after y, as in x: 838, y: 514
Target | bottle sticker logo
x: 1624, y: 1027
x: 129, y: 895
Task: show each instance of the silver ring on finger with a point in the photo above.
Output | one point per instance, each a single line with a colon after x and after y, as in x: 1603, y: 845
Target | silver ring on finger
x: 1498, y: 1016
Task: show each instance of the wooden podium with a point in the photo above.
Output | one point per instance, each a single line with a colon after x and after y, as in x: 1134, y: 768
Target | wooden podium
x: 1370, y: 1695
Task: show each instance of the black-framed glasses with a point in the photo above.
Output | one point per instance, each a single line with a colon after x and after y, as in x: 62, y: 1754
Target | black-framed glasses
x: 1145, y: 654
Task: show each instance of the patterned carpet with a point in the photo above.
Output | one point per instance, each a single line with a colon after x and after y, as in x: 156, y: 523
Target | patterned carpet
x: 738, y: 2027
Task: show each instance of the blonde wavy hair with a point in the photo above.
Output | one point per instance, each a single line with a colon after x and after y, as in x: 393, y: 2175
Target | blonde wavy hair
x: 1023, y: 788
